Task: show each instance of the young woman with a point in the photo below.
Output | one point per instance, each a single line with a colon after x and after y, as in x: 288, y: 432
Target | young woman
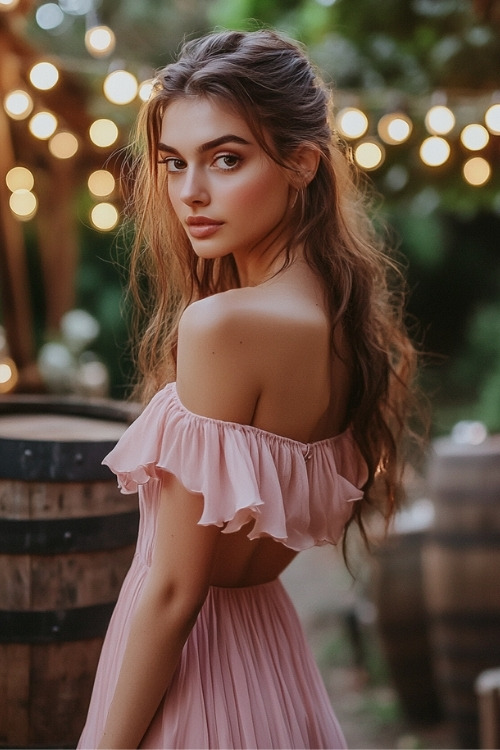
x: 265, y: 295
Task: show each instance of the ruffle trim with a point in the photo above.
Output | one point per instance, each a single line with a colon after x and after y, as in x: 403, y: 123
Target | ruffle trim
x: 299, y: 494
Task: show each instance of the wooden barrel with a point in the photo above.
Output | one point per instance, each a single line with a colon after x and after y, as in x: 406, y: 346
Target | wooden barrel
x: 462, y: 574
x: 67, y: 537
x: 402, y: 621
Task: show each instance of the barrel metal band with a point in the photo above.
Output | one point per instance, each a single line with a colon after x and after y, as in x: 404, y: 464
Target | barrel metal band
x: 54, y: 626
x: 56, y: 536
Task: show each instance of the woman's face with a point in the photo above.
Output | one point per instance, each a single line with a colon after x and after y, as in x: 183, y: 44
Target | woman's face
x: 229, y: 196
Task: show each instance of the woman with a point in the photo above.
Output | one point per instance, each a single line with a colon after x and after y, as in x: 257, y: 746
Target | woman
x: 265, y: 296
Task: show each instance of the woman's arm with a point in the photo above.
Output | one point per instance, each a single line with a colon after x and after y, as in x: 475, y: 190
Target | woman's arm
x: 174, y: 592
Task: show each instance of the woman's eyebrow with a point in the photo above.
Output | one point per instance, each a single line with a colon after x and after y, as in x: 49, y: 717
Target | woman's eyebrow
x: 223, y: 139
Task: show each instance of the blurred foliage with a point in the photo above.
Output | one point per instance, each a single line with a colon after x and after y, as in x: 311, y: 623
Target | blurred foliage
x: 396, y: 53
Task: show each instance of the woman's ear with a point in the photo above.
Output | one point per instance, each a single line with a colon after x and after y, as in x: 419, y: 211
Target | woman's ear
x: 306, y: 162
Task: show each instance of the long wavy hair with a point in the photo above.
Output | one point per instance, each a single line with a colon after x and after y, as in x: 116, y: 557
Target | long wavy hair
x: 269, y: 81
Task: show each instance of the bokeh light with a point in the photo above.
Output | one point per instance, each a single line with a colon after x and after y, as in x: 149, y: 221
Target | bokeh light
x: 145, y: 90
x: 352, y: 122
x: 440, y: 120
x: 103, y: 133
x: 474, y: 137
x: 369, y: 155
x: 477, y: 171
x: 104, y: 216
x: 49, y: 16
x: 43, y: 125
x: 120, y: 87
x: 44, y: 76
x: 435, y: 151
x: 18, y: 104
x: 63, y: 145
x: 492, y: 119
x: 101, y: 183
x: 395, y: 128
x: 23, y: 204
x: 19, y: 178
x: 100, y: 41
x: 8, y: 4
x: 8, y: 374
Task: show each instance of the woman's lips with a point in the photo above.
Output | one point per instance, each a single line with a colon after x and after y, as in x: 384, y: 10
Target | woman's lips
x: 200, y: 226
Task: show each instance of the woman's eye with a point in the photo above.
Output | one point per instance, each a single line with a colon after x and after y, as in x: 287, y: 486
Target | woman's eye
x: 227, y: 161
x: 173, y: 164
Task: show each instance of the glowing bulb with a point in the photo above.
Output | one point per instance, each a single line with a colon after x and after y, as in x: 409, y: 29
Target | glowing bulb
x: 104, y: 216
x: 19, y: 178
x: 120, y: 87
x: 439, y: 120
x: 352, y: 122
x: 492, y: 119
x: 63, y: 145
x: 100, y: 41
x: 44, y: 76
x: 103, y: 133
x: 43, y: 125
x: 101, y: 183
x: 145, y: 90
x: 49, y: 16
x: 8, y: 374
x: 23, y: 204
x: 477, y: 171
x: 474, y: 137
x: 434, y: 151
x: 369, y: 155
x: 18, y: 104
x: 394, y: 128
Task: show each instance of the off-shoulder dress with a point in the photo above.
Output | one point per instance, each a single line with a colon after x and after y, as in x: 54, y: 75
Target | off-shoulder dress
x: 246, y: 677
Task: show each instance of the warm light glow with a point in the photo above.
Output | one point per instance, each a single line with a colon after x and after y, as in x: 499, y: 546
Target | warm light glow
x: 439, y: 120
x: 101, y: 183
x: 8, y: 4
x: 100, y: 41
x: 477, y: 171
x: 23, y: 204
x: 369, y: 155
x: 492, y: 119
x: 103, y: 133
x: 63, y: 145
x: 394, y: 128
x: 434, y: 151
x: 474, y: 137
x: 19, y: 178
x: 352, y: 122
x: 8, y: 374
x: 145, y: 90
x: 49, y: 16
x: 18, y: 104
x: 104, y: 216
x: 44, y: 76
x: 43, y: 125
x: 120, y: 87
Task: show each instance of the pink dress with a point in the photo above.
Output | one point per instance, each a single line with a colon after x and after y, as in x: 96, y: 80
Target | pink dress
x: 246, y: 677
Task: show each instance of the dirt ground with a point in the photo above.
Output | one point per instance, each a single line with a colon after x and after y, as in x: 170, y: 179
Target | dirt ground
x: 355, y: 675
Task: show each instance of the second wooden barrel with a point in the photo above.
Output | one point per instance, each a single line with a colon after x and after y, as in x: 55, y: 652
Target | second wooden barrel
x: 67, y: 537
x: 461, y: 563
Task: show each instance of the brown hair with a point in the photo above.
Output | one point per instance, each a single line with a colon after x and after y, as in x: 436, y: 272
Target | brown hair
x: 269, y: 81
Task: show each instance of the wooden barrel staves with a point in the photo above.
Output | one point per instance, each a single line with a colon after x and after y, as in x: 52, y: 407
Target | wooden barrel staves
x: 462, y: 574
x: 67, y: 537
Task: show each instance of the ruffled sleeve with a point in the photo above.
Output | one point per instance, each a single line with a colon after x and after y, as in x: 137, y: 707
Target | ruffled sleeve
x: 298, y: 494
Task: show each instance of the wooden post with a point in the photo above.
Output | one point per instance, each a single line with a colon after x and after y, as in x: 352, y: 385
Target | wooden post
x: 488, y: 693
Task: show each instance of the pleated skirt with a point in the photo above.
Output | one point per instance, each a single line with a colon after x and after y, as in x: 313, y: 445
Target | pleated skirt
x: 246, y: 679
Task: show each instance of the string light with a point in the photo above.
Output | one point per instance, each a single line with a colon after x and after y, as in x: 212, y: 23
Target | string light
x: 474, y: 137
x: 104, y: 216
x: 434, y: 151
x: 18, y: 104
x: 8, y: 374
x: 44, y: 76
x: 395, y: 128
x: 369, y: 155
x: 23, y: 204
x: 492, y: 119
x: 145, y: 90
x: 120, y: 87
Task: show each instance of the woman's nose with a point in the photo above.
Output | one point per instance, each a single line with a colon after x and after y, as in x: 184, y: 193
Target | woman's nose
x: 194, y: 189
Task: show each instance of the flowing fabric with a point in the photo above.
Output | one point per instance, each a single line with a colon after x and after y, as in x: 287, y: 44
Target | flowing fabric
x: 246, y: 677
